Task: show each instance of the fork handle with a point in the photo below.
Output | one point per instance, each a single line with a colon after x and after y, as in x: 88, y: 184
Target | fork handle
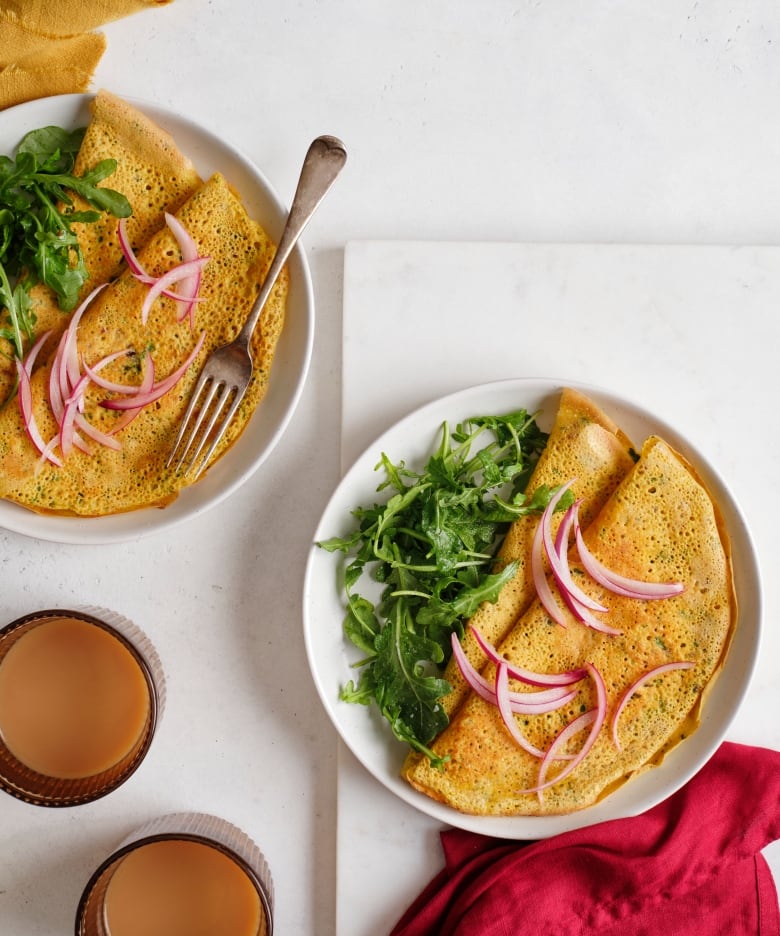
x: 324, y: 160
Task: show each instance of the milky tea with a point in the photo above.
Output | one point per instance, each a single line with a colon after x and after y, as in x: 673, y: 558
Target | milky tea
x: 79, y: 700
x: 182, y: 874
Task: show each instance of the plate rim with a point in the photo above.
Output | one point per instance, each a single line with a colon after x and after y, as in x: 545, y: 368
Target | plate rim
x: 121, y: 528
x: 698, y: 752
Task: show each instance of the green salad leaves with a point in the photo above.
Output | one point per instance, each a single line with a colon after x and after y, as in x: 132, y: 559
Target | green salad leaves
x: 430, y: 547
x: 37, y: 244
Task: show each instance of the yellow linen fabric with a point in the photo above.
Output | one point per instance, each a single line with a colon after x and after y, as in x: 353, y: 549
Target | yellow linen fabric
x: 47, y: 46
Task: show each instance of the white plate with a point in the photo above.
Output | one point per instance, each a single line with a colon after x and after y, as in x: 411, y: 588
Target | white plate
x: 330, y: 655
x: 210, y: 154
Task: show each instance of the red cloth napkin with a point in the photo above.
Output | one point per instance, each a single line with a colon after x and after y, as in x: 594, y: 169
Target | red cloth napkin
x: 690, y: 866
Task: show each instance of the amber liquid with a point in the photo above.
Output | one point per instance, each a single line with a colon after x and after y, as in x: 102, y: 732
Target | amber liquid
x: 181, y: 888
x: 73, y: 699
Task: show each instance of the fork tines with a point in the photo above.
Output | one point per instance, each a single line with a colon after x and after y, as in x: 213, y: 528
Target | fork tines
x: 218, y: 399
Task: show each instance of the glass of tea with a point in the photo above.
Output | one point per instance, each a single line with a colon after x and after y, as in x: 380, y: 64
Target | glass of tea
x: 178, y: 875
x: 81, y: 693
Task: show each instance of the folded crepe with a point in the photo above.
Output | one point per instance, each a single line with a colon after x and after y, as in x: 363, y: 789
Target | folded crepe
x: 659, y: 525
x: 153, y: 175
x: 584, y: 443
x: 108, y: 481
x: 47, y: 46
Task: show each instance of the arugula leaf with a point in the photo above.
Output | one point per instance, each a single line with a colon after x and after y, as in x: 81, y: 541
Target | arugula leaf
x: 37, y: 243
x: 430, y: 548
x: 52, y: 147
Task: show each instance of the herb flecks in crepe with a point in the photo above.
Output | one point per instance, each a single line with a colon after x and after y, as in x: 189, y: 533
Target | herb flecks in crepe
x: 107, y: 481
x: 660, y: 524
x: 152, y: 174
x: 583, y: 443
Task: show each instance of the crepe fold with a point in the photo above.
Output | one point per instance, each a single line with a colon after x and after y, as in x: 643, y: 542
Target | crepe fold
x: 108, y: 481
x: 584, y: 443
x: 47, y: 48
x: 659, y: 524
x: 150, y: 171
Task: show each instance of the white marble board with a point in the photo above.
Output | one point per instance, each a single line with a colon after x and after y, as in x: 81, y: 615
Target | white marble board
x: 689, y: 332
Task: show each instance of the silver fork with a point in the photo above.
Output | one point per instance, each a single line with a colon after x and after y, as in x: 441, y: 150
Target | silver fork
x: 227, y: 371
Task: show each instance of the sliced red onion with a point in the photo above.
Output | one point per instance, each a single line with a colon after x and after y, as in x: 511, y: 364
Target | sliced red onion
x: 585, y: 615
x: 191, y: 284
x: 637, y: 684
x: 32, y: 354
x: 580, y: 611
x: 176, y: 274
x: 619, y: 584
x: 55, y: 388
x: 48, y: 455
x: 580, y: 723
x: 59, y: 388
x: 24, y: 370
x: 97, y: 435
x: 564, y: 528
x: 159, y: 389
x: 522, y: 703
x: 60, y: 373
x: 189, y: 251
x: 102, y: 382
x: 67, y: 383
x: 595, y: 718
x: 148, y: 280
x: 557, y: 555
x: 127, y: 250
x: 543, y: 590
x: 72, y: 406
x: 147, y: 382
x: 524, y: 675
x: 70, y: 359
x: 505, y: 710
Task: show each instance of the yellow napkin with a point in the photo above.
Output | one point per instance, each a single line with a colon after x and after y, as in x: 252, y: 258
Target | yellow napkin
x: 47, y: 46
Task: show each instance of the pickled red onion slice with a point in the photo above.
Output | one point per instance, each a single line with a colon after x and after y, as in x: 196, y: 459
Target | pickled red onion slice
x: 620, y: 584
x: 97, y: 435
x: 522, y: 703
x: 70, y: 375
x: 557, y: 553
x: 24, y: 370
x: 135, y: 266
x: 637, y: 684
x: 69, y: 361
x: 32, y: 354
x: 502, y: 701
x: 570, y: 596
x: 524, y: 675
x: 595, y: 717
x: 189, y: 251
x: 188, y: 283
x: 542, y: 586
x: 159, y: 389
x: 176, y: 274
x: 127, y: 250
x: 585, y: 615
x: 71, y: 406
x: 102, y: 382
x: 577, y: 601
x: 147, y: 382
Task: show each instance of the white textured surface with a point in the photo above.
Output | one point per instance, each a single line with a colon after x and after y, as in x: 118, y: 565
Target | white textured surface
x: 515, y: 120
x: 665, y: 327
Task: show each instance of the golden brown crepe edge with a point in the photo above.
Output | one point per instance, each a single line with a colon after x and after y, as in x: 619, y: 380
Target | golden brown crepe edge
x: 689, y: 721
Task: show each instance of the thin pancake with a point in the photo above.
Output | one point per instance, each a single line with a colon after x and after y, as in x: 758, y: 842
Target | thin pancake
x: 152, y: 174
x: 584, y: 443
x: 659, y: 525
x: 108, y: 481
